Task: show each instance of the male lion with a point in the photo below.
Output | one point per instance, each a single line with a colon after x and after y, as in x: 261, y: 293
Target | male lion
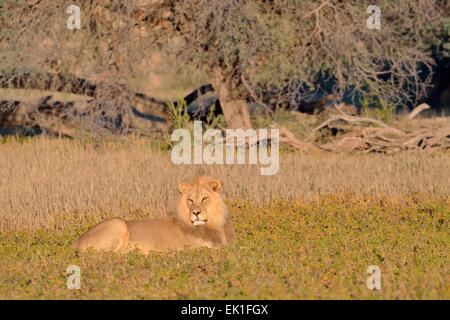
x: 202, y: 220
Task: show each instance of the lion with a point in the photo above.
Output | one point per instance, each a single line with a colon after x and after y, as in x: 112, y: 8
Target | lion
x: 201, y: 220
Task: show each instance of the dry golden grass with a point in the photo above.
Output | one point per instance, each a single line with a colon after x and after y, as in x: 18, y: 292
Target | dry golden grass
x: 50, y: 182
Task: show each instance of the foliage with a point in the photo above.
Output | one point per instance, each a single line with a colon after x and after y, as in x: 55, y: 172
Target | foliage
x: 214, y: 120
x: 178, y: 114
x: 276, y: 49
x: 374, y: 107
x: 280, y: 47
x: 445, y: 41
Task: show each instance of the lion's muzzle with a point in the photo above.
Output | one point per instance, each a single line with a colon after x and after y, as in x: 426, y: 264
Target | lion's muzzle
x: 197, y: 219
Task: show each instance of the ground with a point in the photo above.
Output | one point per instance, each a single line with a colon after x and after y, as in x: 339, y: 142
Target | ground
x: 304, y: 233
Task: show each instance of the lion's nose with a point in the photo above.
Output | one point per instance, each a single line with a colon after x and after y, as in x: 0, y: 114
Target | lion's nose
x: 196, y: 213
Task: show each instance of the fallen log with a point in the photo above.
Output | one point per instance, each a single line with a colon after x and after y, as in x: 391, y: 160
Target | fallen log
x: 286, y: 136
x: 63, y: 117
x: 112, y: 106
x: 48, y: 82
x: 362, y: 134
x: 69, y: 83
x: 417, y: 110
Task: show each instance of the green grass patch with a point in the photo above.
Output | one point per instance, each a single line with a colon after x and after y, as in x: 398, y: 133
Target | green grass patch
x: 297, y: 250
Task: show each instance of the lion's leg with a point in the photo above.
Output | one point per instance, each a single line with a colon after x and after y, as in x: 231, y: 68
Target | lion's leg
x: 109, y: 235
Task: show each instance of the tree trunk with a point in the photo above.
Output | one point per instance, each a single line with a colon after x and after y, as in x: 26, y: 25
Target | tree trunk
x: 234, y: 109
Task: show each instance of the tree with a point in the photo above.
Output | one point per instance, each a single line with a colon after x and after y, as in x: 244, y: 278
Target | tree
x: 269, y: 51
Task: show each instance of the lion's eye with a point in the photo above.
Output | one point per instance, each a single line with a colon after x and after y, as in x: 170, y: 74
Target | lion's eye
x: 204, y: 199
x: 190, y: 201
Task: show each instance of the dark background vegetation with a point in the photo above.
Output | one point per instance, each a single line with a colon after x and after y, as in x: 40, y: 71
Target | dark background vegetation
x: 272, y: 54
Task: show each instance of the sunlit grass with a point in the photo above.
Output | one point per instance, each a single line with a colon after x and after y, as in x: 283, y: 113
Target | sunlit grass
x: 310, y: 231
x: 285, y: 250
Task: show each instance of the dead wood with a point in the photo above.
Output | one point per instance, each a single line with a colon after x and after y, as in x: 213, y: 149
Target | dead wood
x: 363, y: 134
x: 113, y: 107
x: 418, y: 110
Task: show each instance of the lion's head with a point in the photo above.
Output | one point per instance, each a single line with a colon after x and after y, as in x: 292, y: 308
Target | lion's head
x: 201, y: 203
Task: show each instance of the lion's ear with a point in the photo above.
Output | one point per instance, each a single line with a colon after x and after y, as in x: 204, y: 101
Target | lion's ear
x: 184, y: 186
x: 215, y: 185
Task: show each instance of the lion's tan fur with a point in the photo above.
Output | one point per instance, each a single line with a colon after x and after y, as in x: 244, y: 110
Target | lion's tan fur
x: 202, y: 220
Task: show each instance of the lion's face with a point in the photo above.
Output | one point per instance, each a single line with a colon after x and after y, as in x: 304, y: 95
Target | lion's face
x: 201, y: 203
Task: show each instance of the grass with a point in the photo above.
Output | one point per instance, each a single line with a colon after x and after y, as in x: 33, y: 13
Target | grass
x: 47, y: 181
x: 308, y: 232
x: 284, y: 250
x: 377, y: 108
